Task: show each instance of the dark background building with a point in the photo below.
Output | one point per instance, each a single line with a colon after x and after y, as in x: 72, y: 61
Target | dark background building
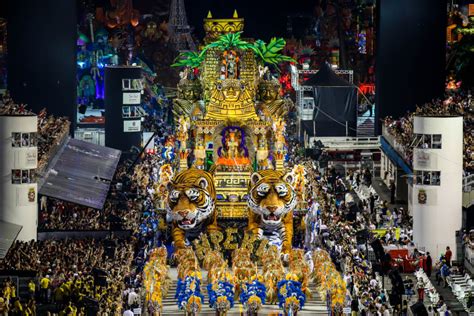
x: 41, y: 58
x: 411, y: 53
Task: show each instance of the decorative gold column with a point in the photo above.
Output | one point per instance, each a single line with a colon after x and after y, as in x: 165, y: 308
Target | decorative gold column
x: 279, y: 158
x: 183, y: 159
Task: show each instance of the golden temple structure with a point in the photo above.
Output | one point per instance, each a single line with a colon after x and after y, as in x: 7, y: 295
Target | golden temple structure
x: 216, y: 27
x: 235, y: 112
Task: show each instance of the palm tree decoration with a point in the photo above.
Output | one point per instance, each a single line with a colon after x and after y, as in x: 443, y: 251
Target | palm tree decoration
x: 188, y: 59
x: 267, y: 53
x: 228, y: 41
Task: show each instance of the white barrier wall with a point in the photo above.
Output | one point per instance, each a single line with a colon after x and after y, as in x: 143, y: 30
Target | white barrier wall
x: 18, y: 163
x: 437, y: 183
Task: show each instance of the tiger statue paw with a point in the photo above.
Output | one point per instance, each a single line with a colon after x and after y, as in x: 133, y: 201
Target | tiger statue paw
x: 191, y: 205
x: 271, y: 201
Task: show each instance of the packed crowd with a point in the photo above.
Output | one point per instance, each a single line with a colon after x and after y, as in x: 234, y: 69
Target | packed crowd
x: 59, y: 215
x: 51, y: 132
x: 339, y: 224
x: 66, y: 270
x: 458, y: 104
x: 8, y: 107
x: 67, y: 267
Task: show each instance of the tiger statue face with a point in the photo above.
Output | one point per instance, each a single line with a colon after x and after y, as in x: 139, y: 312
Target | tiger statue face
x: 271, y: 195
x: 191, y: 199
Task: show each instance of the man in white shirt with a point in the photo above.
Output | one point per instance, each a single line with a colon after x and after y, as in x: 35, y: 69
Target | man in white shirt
x: 125, y: 293
x: 373, y: 283
x: 128, y: 312
x: 132, y: 299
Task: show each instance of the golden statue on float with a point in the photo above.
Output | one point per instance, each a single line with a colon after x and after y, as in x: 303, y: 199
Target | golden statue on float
x: 232, y: 106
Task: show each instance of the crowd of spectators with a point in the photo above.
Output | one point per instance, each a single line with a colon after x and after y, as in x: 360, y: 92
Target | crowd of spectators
x: 344, y: 214
x: 340, y: 223
x: 66, y: 270
x: 9, y: 107
x: 51, y: 132
x: 59, y: 215
x: 455, y: 104
x: 69, y: 267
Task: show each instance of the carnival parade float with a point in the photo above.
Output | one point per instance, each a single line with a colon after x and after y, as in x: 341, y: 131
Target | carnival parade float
x: 228, y: 193
x: 230, y: 118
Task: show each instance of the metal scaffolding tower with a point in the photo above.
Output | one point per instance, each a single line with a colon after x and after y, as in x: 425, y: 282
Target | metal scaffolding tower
x: 180, y: 31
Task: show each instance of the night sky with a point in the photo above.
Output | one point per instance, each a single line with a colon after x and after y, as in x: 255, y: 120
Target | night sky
x: 263, y: 18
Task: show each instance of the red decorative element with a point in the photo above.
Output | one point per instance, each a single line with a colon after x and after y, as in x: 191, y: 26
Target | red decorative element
x: 285, y: 81
x: 93, y: 119
x: 367, y: 88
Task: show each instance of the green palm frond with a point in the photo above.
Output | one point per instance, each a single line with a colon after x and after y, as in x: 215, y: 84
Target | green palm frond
x: 229, y: 41
x: 259, y: 47
x: 275, y: 45
x: 279, y: 59
x: 269, y: 53
x: 188, y: 59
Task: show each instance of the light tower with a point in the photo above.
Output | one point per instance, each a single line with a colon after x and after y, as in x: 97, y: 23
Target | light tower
x: 18, y: 163
x: 180, y: 32
x: 437, y: 184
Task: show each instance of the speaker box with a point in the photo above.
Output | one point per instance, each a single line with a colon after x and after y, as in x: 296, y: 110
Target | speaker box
x: 101, y: 281
x: 98, y: 271
x: 362, y: 236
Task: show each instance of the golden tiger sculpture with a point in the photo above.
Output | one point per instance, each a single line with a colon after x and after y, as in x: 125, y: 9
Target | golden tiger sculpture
x: 191, y: 205
x: 271, y: 201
